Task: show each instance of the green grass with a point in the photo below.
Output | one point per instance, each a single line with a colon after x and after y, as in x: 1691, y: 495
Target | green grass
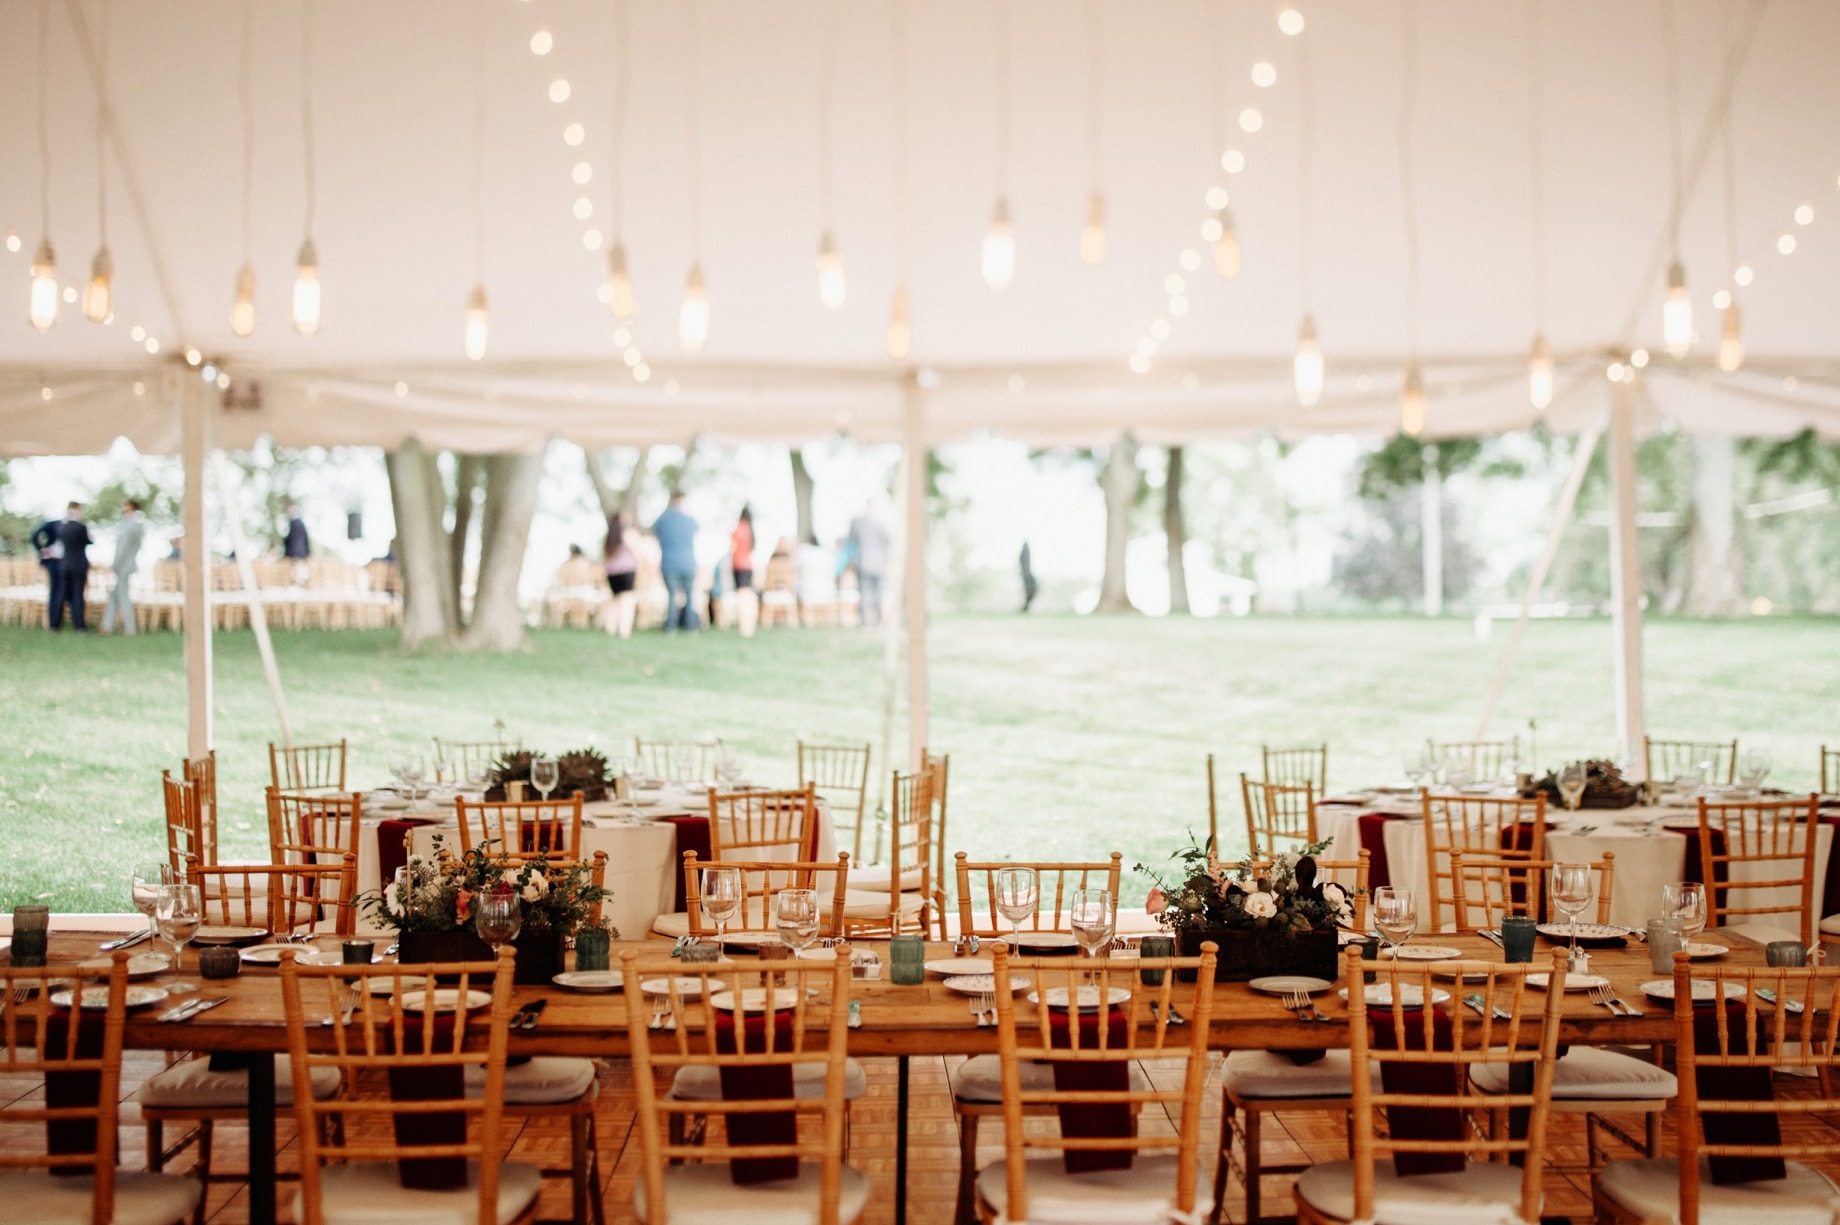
x: 1069, y: 736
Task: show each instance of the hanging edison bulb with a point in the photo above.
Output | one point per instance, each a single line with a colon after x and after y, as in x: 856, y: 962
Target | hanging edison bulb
x: 1677, y: 313
x: 693, y: 314
x: 900, y: 331
x: 1092, y: 238
x: 1731, y: 339
x: 306, y: 289
x: 97, y: 294
x: 1412, y: 403
x: 1226, y: 246
x: 1540, y: 373
x: 830, y: 272
x: 243, y: 310
x: 619, y: 284
x: 478, y: 320
x: 44, y: 305
x: 1307, y: 366
x: 999, y: 248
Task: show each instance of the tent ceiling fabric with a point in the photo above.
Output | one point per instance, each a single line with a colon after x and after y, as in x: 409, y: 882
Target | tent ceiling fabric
x: 394, y: 105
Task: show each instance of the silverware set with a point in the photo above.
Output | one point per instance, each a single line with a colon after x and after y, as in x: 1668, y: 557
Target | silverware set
x: 1602, y: 994
x: 191, y: 1008
x: 1296, y: 999
x: 984, y: 1008
x: 1479, y: 1005
x: 663, y: 1017
x: 526, y: 1017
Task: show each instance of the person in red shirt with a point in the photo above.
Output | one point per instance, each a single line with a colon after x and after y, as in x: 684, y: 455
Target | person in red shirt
x: 741, y: 560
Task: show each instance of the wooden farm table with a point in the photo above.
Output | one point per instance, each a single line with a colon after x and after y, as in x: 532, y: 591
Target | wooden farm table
x: 897, y: 1021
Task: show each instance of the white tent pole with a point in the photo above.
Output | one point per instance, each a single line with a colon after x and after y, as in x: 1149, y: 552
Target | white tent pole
x: 1431, y: 532
x: 913, y: 472
x: 1562, y: 518
x: 1626, y: 579
x: 258, y: 611
x: 195, y: 560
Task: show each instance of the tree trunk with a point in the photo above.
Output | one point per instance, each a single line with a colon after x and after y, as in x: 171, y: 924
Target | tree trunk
x: 624, y: 502
x: 1173, y: 534
x: 512, y: 482
x: 801, y: 494
x: 1431, y: 533
x: 469, y: 470
x: 417, y: 498
x: 1119, y: 480
x: 1712, y: 585
x: 635, y: 487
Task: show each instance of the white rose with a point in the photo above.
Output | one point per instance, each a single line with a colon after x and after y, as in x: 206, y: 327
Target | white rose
x: 1334, y: 895
x: 535, y: 886
x: 393, y: 901
x: 1261, y: 905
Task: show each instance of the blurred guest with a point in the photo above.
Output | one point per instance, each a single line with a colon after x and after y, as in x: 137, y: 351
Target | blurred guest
x: 869, y: 541
x: 741, y: 560
x: 73, y: 569
x: 120, y: 608
x: 1029, y: 586
x: 815, y: 581
x: 50, y: 554
x: 295, y: 546
x: 676, y: 533
x: 622, y: 567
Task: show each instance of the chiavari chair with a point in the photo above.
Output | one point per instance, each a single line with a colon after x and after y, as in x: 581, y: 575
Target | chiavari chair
x: 472, y: 758
x: 1510, y: 829
x: 1663, y: 761
x: 1484, y: 759
x: 1279, y: 817
x: 314, y: 827
x: 307, y: 767
x: 683, y: 761
x: 1753, y: 852
x: 1295, y: 767
x: 910, y: 864
x: 1830, y: 770
x: 551, y: 828
x: 840, y: 774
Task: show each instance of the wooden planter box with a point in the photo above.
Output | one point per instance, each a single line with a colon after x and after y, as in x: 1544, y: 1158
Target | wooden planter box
x: 460, y: 944
x: 539, y: 955
x: 1247, y: 955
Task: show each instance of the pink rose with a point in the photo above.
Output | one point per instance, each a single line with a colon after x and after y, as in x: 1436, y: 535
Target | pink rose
x: 1156, y: 903
x: 463, y: 906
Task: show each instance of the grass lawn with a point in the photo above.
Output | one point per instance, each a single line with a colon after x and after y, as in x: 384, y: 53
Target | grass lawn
x: 1069, y: 736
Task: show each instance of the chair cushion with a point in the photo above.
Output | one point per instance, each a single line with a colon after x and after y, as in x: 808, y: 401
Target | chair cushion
x: 547, y: 1080
x: 1830, y: 926
x: 1483, y: 1194
x: 1651, y: 1188
x: 1762, y: 933
x: 707, y: 1195
x: 33, y: 1197
x: 369, y: 1193
x: 1141, y: 1195
x: 867, y: 904
x: 674, y: 925
x: 704, y: 1084
x: 1250, y: 1074
x: 193, y: 1084
x: 1590, y: 1072
x: 980, y: 1078
x: 877, y: 878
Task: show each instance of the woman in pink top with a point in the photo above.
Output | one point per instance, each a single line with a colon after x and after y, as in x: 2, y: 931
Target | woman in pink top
x: 622, y: 568
x: 741, y: 560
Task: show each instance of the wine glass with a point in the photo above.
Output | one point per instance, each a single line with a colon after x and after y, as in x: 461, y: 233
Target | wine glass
x: 1684, y: 905
x: 178, y: 910
x: 1572, y: 889
x: 795, y: 913
x: 444, y: 771
x: 544, y: 775
x: 1018, y: 892
x: 145, y: 891
x: 1395, y: 915
x: 1753, y: 766
x: 683, y: 763
x: 1571, y: 785
x: 728, y: 766
x: 1091, y: 917
x: 497, y: 918
x: 1415, y: 768
x: 722, y: 891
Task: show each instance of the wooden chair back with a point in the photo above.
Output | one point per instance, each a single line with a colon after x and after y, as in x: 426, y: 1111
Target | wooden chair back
x: 1351, y: 875
x: 693, y: 1042
x: 201, y: 772
x: 761, y: 880
x: 550, y: 828
x: 1753, y: 848
x: 1666, y: 760
x: 1055, y: 883
x: 184, y: 826
x: 839, y: 773
x: 394, y: 1032
x: 938, y: 767
x: 1529, y: 1035
x: 1489, y: 888
x: 472, y: 758
x: 1750, y: 1032
x: 1147, y: 1035
x: 1484, y: 826
x: 307, y: 767
x: 37, y: 1040
x: 777, y: 825
x: 1279, y: 818
x: 681, y: 761
x: 910, y: 853
x: 1484, y: 759
x: 1830, y: 770
x: 294, y: 896
x: 1213, y: 842
x: 1295, y: 767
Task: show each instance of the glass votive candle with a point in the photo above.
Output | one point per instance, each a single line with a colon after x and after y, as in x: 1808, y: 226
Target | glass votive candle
x: 593, y: 948
x: 1517, y: 932
x: 31, y: 934
x: 1150, y: 948
x: 907, y: 960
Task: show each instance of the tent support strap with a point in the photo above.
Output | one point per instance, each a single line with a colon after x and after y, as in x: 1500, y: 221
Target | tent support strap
x: 195, y: 560
x: 1626, y: 579
x: 913, y: 561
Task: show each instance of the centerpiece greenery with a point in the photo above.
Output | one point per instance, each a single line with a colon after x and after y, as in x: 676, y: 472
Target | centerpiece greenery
x: 583, y: 770
x: 1265, y: 916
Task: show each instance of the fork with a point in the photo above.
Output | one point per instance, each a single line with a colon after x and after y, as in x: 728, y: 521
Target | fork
x: 1601, y: 995
x: 1298, y: 1002
x: 989, y: 1001
x: 976, y: 1005
x: 658, y: 1011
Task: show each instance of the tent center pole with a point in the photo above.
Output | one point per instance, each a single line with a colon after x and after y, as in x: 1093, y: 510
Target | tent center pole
x: 195, y: 561
x: 1626, y: 579
x: 913, y: 561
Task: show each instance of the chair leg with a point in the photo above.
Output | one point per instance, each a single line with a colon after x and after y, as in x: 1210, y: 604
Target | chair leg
x: 578, y: 1168
x: 156, y: 1146
x: 1224, y: 1159
x: 1651, y: 1134
x: 1249, y: 1132
x: 967, y: 1169
x: 203, y: 1170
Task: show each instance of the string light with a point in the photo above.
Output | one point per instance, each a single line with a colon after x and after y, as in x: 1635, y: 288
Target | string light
x: 1804, y: 214
x: 12, y: 240
x: 1264, y: 75
x: 1677, y: 313
x: 900, y: 330
x: 43, y: 305
x: 478, y: 322
x: 999, y: 254
x: 243, y: 307
x: 1785, y: 244
x: 1092, y: 236
x: 1225, y: 245
x: 619, y: 278
x: 1290, y: 22
x: 1251, y: 120
x: 1307, y: 365
x: 559, y: 90
x: 541, y: 42
x: 693, y: 314
x: 1676, y: 305
x: 243, y: 310
x: 1731, y: 340
x: 1232, y: 161
x: 1540, y: 373
x: 999, y: 263
x: 306, y: 304
x: 96, y: 294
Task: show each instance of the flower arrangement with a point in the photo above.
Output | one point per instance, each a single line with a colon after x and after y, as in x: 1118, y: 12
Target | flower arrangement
x: 437, y: 892
x: 583, y: 770
x: 1281, y: 897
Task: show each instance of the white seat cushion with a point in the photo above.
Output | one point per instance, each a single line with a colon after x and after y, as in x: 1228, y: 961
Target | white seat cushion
x: 193, y: 1084
x: 547, y: 1080
x: 1651, y: 1188
x: 1590, y: 1072
x: 1830, y: 926
x: 369, y: 1193
x: 1249, y: 1074
x: 980, y: 1078
x: 1141, y: 1195
x: 708, y: 1195
x: 1761, y: 933
x: 867, y: 904
x: 877, y: 878
x: 33, y: 1197
x: 704, y: 1084
x: 675, y: 925
x: 1483, y: 1194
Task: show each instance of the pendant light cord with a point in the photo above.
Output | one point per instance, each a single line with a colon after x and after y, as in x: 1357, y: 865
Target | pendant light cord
x: 306, y: 104
x: 247, y: 93
x: 479, y: 140
x: 102, y: 121
x: 827, y: 76
x: 692, y: 126
x: 1306, y: 153
x: 622, y: 77
x: 1729, y: 154
x: 44, y: 124
x: 1671, y: 72
x: 897, y: 45
x: 1408, y: 106
x: 1536, y: 160
x: 1217, y: 93
x: 1095, y: 91
x: 1000, y: 12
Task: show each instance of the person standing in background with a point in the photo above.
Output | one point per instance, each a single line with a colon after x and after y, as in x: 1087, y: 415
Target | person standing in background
x: 73, y: 569
x: 50, y: 554
x: 1029, y: 586
x: 622, y: 567
x: 869, y: 541
x: 676, y: 533
x: 120, y: 608
x: 741, y: 559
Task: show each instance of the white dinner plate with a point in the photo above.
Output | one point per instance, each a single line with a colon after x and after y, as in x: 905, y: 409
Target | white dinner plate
x: 754, y: 999
x: 816, y: 954
x: 1284, y: 984
x: 1586, y: 931
x: 688, y: 987
x: 96, y: 997
x: 386, y: 803
x: 229, y: 935
x: 1422, y: 952
x: 959, y: 965
x: 146, y: 965
x: 1663, y: 989
x: 380, y: 985
x: 270, y: 954
x: 1380, y: 995
x: 984, y: 984
x: 1573, y: 982
x: 749, y: 940
x: 1052, y: 941
x: 445, y: 999
x: 1089, y: 997
x: 590, y: 980
x: 1701, y: 950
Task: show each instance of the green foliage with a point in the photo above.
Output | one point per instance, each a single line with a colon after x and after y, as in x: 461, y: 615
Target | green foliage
x: 1801, y: 458
x: 1400, y: 464
x: 1279, y: 896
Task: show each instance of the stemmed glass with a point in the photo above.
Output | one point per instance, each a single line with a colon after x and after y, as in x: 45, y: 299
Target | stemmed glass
x: 497, y: 918
x: 407, y: 767
x: 545, y: 773
x: 1752, y: 768
x: 178, y: 909
x: 722, y: 889
x: 1572, y: 890
x: 1091, y: 918
x: 728, y: 766
x: 145, y: 891
x: 1415, y: 768
x: 1395, y: 915
x: 1684, y: 905
x: 795, y: 913
x: 1571, y: 785
x: 683, y: 763
x: 1018, y: 892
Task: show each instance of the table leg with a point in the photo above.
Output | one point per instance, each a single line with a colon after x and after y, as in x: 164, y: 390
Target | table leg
x: 261, y: 1139
x: 900, y: 1144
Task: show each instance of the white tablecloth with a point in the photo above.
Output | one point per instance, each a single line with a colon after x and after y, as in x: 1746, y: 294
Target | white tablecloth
x: 1647, y: 856
x: 643, y: 868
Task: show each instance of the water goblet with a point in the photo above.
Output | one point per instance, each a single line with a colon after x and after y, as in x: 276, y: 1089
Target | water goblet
x: 1571, y: 785
x: 545, y: 773
x: 795, y: 914
x: 145, y: 890
x: 1684, y: 905
x: 1092, y: 918
x: 1018, y: 892
x: 1572, y: 889
x: 497, y: 918
x: 722, y: 894
x: 1395, y: 915
x: 178, y: 910
x: 1415, y: 768
x: 1753, y: 766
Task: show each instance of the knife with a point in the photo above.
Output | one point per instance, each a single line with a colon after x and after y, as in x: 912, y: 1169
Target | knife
x: 1491, y: 935
x: 528, y: 1014
x: 1474, y: 1000
x: 192, y: 1008
x: 124, y: 942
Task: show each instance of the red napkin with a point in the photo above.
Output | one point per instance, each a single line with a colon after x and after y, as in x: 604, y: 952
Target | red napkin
x: 692, y: 835
x: 1734, y: 1085
x: 1090, y: 1119
x: 72, y: 1090
x: 421, y: 1084
x: 1441, y: 1079
x: 391, y: 851
x: 1372, y: 826
x: 754, y: 1083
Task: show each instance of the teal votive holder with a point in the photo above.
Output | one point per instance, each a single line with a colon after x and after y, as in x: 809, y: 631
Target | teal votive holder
x: 31, y: 935
x: 593, y: 948
x: 1517, y: 932
x: 907, y: 960
x: 1150, y: 948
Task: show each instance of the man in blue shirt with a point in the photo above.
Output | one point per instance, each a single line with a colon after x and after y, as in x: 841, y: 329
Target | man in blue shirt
x: 676, y: 533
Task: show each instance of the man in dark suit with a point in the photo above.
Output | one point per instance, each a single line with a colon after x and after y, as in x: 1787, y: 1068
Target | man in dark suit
x: 296, y: 546
x: 50, y: 555
x: 73, y: 569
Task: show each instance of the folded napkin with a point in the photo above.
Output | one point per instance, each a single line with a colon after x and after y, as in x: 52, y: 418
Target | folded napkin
x: 754, y: 1083
x: 423, y: 1084
x: 1439, y: 1079
x: 392, y: 852
x: 1735, y: 1085
x: 692, y: 835
x: 1092, y: 1119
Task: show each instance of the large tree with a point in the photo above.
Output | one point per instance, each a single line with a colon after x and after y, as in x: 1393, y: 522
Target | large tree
x: 1120, y: 480
x: 1174, y: 535
x: 622, y: 499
